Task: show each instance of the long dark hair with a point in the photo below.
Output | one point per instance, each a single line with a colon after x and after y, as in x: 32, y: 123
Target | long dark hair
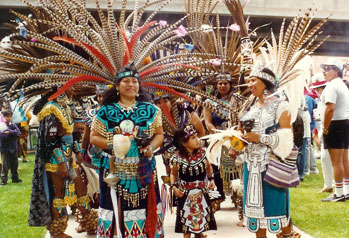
x: 112, y: 95
x: 178, y: 139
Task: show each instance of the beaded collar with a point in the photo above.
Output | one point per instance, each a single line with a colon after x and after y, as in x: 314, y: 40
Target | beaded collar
x: 125, y: 108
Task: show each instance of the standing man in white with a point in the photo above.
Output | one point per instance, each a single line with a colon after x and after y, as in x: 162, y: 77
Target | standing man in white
x: 335, y: 98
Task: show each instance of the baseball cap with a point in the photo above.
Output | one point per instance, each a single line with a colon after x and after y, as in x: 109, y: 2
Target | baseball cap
x: 333, y: 62
x: 319, y: 84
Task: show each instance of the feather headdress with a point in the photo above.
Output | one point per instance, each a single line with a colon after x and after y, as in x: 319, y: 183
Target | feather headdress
x: 81, y: 50
x: 286, y: 57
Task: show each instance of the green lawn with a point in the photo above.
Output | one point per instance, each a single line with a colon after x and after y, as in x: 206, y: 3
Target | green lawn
x: 14, y: 206
x: 319, y: 219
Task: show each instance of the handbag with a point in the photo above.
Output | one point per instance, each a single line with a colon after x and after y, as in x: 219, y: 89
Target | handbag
x: 283, y: 174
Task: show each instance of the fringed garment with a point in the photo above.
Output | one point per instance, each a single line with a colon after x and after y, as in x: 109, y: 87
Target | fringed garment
x: 265, y: 206
x: 194, y: 214
x: 132, y: 195
x: 52, y: 119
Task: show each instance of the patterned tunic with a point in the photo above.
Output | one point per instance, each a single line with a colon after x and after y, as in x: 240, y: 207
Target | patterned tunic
x: 194, y: 214
x: 265, y: 206
x: 133, y: 195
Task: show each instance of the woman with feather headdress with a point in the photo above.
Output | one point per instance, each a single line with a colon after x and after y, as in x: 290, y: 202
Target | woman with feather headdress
x: 127, y: 115
x: 266, y: 121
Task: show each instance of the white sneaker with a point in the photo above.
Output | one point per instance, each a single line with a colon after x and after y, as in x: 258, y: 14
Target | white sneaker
x: 314, y: 171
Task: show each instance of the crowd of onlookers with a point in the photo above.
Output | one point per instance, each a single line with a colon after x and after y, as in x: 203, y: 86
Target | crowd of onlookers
x: 325, y: 115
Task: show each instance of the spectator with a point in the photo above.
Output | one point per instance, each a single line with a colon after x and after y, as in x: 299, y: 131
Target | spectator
x: 324, y: 155
x: 334, y: 100
x: 310, y: 164
x: 302, y: 151
x: 23, y: 140
x: 9, y: 148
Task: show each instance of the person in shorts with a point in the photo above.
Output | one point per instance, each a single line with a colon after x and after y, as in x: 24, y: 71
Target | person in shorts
x: 335, y: 98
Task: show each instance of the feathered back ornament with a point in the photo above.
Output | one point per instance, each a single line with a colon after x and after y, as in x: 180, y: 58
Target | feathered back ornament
x: 285, y: 57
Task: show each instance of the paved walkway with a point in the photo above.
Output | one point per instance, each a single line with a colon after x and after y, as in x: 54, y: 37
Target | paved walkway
x: 226, y: 220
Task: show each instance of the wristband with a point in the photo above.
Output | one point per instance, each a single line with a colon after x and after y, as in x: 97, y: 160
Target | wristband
x: 152, y: 148
x: 173, y: 185
x: 271, y: 140
x: 76, y: 147
x: 210, y: 178
x: 110, y: 143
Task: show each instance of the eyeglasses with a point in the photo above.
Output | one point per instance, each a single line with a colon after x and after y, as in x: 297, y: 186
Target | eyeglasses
x: 327, y: 68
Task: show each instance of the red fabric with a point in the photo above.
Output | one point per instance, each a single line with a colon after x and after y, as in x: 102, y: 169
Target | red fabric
x: 192, y: 185
x: 315, y: 131
x: 152, y: 217
x: 319, y: 84
x: 311, y: 93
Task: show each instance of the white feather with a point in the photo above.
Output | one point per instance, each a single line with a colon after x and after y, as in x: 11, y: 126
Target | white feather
x: 284, y: 148
x: 217, y: 140
x: 92, y: 181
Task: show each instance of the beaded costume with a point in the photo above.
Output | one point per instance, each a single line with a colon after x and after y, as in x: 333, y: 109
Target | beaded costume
x: 55, y: 147
x: 194, y: 213
x: 265, y: 206
x: 114, y: 118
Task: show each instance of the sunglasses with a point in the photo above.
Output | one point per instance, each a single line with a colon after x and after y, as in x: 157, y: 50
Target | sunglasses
x: 327, y: 68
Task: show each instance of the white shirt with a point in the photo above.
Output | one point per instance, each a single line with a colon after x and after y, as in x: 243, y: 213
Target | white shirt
x: 338, y: 93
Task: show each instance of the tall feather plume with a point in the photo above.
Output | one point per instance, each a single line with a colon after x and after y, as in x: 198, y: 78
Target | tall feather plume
x: 287, y: 58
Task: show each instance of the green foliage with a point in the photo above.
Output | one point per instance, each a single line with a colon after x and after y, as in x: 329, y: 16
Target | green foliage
x: 319, y: 219
x: 14, y: 205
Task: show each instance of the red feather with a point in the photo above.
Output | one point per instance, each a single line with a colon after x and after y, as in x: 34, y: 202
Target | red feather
x: 66, y: 39
x: 75, y: 80
x: 128, y: 52
x: 160, y: 67
x: 152, y: 217
x: 139, y: 32
x: 126, y: 59
x: 167, y: 112
x: 92, y: 49
x: 167, y: 89
x: 101, y: 57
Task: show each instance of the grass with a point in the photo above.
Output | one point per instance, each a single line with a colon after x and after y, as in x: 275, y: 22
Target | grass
x: 14, y: 205
x: 319, y: 219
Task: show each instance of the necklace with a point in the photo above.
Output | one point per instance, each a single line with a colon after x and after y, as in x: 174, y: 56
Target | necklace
x: 127, y: 108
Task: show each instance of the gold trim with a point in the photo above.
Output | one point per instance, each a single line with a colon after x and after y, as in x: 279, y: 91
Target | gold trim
x: 51, y: 108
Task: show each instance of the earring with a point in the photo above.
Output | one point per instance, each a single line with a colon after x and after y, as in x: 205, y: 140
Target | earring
x: 265, y: 93
x: 137, y: 95
x: 117, y: 92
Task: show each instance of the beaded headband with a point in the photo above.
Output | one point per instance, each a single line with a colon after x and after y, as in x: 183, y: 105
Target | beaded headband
x: 258, y: 72
x: 221, y: 77
x: 127, y: 71
x: 189, y: 131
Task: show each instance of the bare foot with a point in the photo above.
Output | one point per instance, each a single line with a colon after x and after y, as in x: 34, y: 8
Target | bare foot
x: 240, y: 223
x: 80, y: 228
